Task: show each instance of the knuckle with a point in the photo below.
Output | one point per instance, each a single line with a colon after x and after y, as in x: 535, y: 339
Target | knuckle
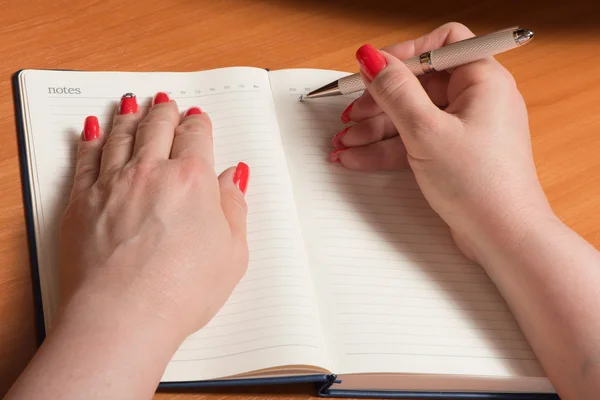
x: 79, y: 205
x: 237, y: 199
x: 454, y: 26
x: 117, y: 139
x: 197, y: 128
x: 125, y: 121
x: 142, y: 170
x: 133, y: 175
x: 82, y: 171
x: 359, y: 161
x: 109, y: 181
x: 83, y: 150
x: 377, y: 127
x: 192, y: 169
x: 155, y: 121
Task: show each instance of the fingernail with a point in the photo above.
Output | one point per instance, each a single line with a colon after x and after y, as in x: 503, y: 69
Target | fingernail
x: 241, y: 176
x: 128, y: 104
x: 335, y: 155
x: 192, y: 111
x: 337, y: 139
x: 346, y: 114
x: 160, y: 97
x: 91, y: 129
x: 371, y: 61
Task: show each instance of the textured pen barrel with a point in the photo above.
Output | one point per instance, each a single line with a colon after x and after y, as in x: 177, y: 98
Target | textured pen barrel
x: 467, y: 51
x: 449, y: 56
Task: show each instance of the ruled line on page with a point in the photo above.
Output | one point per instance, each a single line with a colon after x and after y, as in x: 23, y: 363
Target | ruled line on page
x: 421, y: 334
x: 231, y: 344
x: 294, y: 326
x: 246, y: 352
x: 439, y: 355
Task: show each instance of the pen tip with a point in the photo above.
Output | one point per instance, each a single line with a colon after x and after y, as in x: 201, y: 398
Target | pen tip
x: 523, y: 36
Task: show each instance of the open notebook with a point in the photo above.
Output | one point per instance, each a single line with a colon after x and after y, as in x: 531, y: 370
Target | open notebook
x: 350, y: 273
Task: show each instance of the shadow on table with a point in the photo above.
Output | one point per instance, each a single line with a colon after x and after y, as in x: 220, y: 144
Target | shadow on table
x: 574, y: 16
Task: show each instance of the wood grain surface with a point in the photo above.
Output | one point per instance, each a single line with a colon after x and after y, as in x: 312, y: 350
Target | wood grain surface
x: 558, y: 73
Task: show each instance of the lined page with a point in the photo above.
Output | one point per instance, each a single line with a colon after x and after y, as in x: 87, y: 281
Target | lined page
x: 270, y: 320
x: 398, y: 294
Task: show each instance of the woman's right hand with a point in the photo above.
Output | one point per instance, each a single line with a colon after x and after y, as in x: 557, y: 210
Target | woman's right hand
x: 464, y: 133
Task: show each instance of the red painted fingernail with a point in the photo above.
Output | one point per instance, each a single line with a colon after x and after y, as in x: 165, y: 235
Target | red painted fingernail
x: 335, y: 155
x: 346, y: 114
x: 192, y: 111
x: 128, y: 104
x: 337, y: 139
x: 91, y: 129
x: 160, y: 97
x: 241, y: 176
x: 370, y: 60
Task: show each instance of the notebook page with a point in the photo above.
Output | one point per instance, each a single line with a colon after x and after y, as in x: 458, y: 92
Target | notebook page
x: 270, y: 320
x: 399, y: 294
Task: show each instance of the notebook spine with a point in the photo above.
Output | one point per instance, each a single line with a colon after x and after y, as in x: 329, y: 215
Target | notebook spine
x: 27, y: 203
x: 323, y: 390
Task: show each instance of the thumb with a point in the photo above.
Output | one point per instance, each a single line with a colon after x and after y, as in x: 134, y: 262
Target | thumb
x: 398, y: 92
x: 233, y: 183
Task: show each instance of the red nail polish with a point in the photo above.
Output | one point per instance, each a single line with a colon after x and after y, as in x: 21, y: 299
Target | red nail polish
x: 91, y: 129
x: 346, y: 114
x: 192, y: 111
x: 337, y: 139
x: 370, y: 60
x: 128, y: 104
x: 335, y: 155
x: 241, y: 176
x: 160, y: 97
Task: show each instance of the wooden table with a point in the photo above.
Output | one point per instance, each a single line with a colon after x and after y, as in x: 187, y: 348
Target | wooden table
x: 558, y: 73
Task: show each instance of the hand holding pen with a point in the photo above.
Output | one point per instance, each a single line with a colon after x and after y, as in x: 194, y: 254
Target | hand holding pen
x: 450, y: 55
x: 464, y: 133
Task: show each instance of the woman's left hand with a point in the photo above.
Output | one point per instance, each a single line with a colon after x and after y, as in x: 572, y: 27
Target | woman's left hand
x: 151, y: 246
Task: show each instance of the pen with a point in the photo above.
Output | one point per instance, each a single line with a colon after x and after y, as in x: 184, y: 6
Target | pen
x: 450, y: 56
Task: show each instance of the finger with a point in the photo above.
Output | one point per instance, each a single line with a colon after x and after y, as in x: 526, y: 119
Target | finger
x: 233, y: 183
x: 154, y: 136
x: 439, y: 37
x: 360, y: 109
x: 89, y: 153
x: 399, y: 93
x: 435, y: 84
x: 369, y: 131
x: 381, y: 156
x: 119, y: 142
x: 193, y: 137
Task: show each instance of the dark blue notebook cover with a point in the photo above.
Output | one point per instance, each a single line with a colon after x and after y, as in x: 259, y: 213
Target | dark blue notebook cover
x: 324, y: 384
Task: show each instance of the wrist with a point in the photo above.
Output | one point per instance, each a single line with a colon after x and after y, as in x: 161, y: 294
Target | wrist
x: 99, y: 346
x: 498, y: 234
x: 115, y: 319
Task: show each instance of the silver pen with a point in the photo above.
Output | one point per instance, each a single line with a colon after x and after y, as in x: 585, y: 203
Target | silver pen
x: 450, y: 56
